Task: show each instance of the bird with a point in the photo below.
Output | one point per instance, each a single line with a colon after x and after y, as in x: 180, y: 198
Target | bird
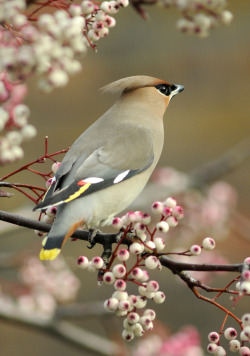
x: 110, y: 163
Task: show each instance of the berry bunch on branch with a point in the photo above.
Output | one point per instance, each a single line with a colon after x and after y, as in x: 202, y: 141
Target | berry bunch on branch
x: 129, y: 257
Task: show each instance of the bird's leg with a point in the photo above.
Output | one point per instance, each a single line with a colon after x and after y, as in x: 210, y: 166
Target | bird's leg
x: 91, y: 237
x: 119, y: 235
x: 107, y: 252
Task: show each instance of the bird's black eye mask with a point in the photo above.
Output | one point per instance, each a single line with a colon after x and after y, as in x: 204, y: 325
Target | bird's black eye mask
x: 165, y: 89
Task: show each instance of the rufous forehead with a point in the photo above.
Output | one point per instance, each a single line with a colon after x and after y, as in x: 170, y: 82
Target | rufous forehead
x: 159, y: 81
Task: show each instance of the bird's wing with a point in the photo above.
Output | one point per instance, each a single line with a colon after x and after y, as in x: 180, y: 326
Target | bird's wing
x: 123, y: 156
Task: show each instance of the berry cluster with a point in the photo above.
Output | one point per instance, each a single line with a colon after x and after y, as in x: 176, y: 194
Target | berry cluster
x: 200, y: 16
x: 143, y: 253
x: 230, y: 334
x: 48, y: 46
x: 14, y: 127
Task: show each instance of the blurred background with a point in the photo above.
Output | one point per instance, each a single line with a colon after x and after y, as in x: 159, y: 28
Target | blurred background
x: 209, y: 118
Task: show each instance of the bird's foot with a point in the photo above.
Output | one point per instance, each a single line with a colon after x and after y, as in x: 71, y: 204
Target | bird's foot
x: 91, y: 237
x: 120, y: 234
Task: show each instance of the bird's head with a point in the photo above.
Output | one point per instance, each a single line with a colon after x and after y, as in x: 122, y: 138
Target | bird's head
x: 146, y: 90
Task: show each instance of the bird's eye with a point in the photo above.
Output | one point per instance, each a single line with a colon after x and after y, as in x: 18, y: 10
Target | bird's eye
x: 164, y: 89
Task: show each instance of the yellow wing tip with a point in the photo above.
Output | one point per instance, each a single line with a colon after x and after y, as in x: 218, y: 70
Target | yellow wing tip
x: 49, y: 254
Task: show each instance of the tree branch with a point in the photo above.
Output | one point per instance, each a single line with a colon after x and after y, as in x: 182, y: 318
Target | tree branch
x: 177, y: 267
x: 101, y: 238
x: 41, y: 226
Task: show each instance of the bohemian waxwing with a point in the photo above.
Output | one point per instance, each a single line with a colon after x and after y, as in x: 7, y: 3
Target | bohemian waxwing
x: 111, y: 162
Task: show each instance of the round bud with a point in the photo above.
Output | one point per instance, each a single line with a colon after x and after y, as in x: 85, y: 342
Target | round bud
x: 244, y: 351
x: 105, y: 6
x: 245, y: 287
x: 208, y: 243
x: 82, y: 262
x: 220, y: 351
x: 243, y: 336
x: 119, y: 271
x: 120, y: 295
x: 225, y: 17
x: 127, y: 325
x: 133, y: 299
x: 111, y: 304
x: 48, y: 219
x: 142, y: 290
x: 247, y: 260
x: 109, y: 278
x: 159, y: 297
x: 213, y: 337
x: 159, y: 243
x: 51, y: 211
x: 123, y: 254
x: 148, y: 327
x: 152, y: 286
x: 137, y: 273
x: 195, y: 250
x: 149, y: 247
x: 234, y: 345
x: 150, y: 313
x: 162, y: 226
x: 170, y: 202
x: 230, y: 333
x: 87, y: 7
x: 149, y: 295
x: 28, y: 132
x: 151, y: 262
x: 145, y: 320
x: 157, y: 207
x: 178, y: 212
x: 146, y: 219
x: 131, y: 217
x: 124, y: 305
x: 139, y: 228
x: 120, y: 284
x: 136, y: 248
x: 97, y: 262
x: 117, y: 223
x: 246, y: 275
x: 141, y: 302
x: 49, y: 182
x: 145, y: 276
x: 246, y: 319
x: 247, y: 331
x: 172, y: 221
x: 127, y: 334
x: 120, y: 313
x: 133, y: 318
x: 75, y: 10
x: 211, y: 348
x: 138, y: 330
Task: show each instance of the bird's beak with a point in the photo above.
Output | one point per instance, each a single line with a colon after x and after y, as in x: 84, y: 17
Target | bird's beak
x: 176, y: 89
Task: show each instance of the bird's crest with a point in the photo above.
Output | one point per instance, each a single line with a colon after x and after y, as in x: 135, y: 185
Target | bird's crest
x: 131, y: 83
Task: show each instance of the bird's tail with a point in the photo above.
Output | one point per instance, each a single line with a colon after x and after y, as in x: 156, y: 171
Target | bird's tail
x: 53, y: 243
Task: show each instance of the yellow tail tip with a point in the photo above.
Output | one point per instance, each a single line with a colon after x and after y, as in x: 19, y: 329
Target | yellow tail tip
x: 49, y: 254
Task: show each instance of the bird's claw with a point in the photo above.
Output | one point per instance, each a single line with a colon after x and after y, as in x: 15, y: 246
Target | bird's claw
x: 91, y: 237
